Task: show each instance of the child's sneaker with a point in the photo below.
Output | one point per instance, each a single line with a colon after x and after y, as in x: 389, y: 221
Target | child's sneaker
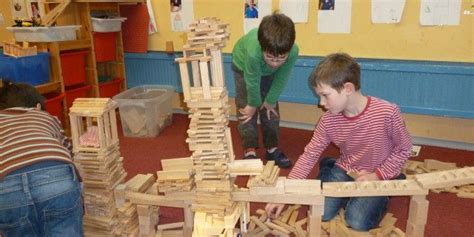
x: 250, y: 153
x: 279, y: 157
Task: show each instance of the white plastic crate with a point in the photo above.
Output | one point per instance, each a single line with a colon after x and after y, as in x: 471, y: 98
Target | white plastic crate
x: 145, y: 110
x: 107, y: 24
x: 45, y: 34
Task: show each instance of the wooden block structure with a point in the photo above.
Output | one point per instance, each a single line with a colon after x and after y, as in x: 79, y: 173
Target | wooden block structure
x: 11, y: 48
x: 94, y: 125
x: 99, y: 164
x: 209, y: 136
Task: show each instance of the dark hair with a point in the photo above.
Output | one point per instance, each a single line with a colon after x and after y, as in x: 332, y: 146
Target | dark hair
x: 335, y: 70
x: 276, y: 34
x: 19, y: 95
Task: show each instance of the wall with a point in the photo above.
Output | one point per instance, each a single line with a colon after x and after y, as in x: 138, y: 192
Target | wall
x: 406, y: 40
x: 435, y: 97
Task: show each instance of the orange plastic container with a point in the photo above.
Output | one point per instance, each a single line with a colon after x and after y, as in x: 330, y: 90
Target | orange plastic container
x: 76, y: 92
x: 110, y: 88
x: 105, y: 46
x: 54, y: 105
x: 73, y: 67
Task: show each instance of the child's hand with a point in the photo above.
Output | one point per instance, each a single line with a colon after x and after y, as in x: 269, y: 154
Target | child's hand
x: 273, y: 210
x: 247, y: 113
x: 366, y: 176
x: 270, y: 109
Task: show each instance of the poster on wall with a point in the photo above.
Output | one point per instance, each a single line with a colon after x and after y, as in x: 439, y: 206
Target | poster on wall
x: 152, y: 24
x: 26, y: 9
x: 334, y: 16
x: 182, y: 14
x: 254, y: 11
x: 297, y: 10
x: 19, y: 9
x: 440, y: 12
x: 387, y: 11
x: 35, y: 10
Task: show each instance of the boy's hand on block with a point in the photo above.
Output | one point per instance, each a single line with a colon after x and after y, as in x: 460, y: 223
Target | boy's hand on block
x: 366, y: 176
x: 247, y: 113
x: 273, y: 210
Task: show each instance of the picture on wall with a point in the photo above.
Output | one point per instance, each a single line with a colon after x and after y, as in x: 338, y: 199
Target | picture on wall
x: 19, y: 9
x: 181, y: 13
x: 326, y: 4
x: 35, y: 10
x: 251, y: 9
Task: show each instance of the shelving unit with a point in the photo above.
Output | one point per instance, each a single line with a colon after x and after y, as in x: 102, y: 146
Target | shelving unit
x: 78, y: 12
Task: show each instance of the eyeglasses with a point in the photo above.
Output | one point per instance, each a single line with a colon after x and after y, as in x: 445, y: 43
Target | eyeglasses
x: 279, y: 59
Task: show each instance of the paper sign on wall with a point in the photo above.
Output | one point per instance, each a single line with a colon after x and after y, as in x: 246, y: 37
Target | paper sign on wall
x: 182, y: 14
x: 440, y: 12
x: 334, y: 16
x: 297, y: 10
x: 387, y: 11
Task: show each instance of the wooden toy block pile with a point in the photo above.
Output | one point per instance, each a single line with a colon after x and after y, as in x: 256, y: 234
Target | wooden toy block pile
x: 285, y: 225
x: 11, y: 48
x: 176, y: 177
x: 267, y: 178
x: 209, y: 136
x: 441, y: 172
x: 99, y: 164
x: 137, y: 219
x: 338, y: 227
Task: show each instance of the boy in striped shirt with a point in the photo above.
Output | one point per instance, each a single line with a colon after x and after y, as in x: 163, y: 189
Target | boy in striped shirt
x: 370, y: 133
x: 40, y: 193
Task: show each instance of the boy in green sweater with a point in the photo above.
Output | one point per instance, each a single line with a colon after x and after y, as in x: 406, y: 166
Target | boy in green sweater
x: 262, y: 61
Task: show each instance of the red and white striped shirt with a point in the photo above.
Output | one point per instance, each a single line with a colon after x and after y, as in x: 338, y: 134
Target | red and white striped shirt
x: 29, y: 136
x: 376, y: 140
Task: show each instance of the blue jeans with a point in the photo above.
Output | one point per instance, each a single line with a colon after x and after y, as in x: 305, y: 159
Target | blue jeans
x: 361, y: 213
x: 41, y: 202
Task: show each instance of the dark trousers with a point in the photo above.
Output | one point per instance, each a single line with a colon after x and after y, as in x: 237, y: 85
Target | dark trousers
x: 248, y: 131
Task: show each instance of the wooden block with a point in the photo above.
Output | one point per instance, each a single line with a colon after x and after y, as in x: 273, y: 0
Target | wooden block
x: 373, y: 188
x: 303, y: 186
x: 463, y: 194
x: 438, y: 165
x: 418, y: 212
x: 170, y: 226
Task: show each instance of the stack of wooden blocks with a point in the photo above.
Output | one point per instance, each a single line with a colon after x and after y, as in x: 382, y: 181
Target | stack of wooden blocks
x: 100, y: 165
x: 10, y: 48
x: 176, y: 177
x: 209, y: 134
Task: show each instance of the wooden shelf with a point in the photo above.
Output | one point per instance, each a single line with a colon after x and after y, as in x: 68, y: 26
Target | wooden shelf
x: 49, y: 87
x: 75, y: 44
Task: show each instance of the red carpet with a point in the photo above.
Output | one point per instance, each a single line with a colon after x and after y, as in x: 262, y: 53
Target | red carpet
x: 448, y: 215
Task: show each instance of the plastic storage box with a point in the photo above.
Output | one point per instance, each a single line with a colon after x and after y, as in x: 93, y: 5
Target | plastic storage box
x: 145, y: 110
x: 81, y: 91
x: 54, y: 105
x: 44, y: 34
x: 105, y: 46
x: 107, y: 24
x: 110, y: 88
x: 73, y: 67
x: 33, y: 70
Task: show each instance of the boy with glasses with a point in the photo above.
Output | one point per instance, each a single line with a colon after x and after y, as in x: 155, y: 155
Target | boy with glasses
x: 262, y: 61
